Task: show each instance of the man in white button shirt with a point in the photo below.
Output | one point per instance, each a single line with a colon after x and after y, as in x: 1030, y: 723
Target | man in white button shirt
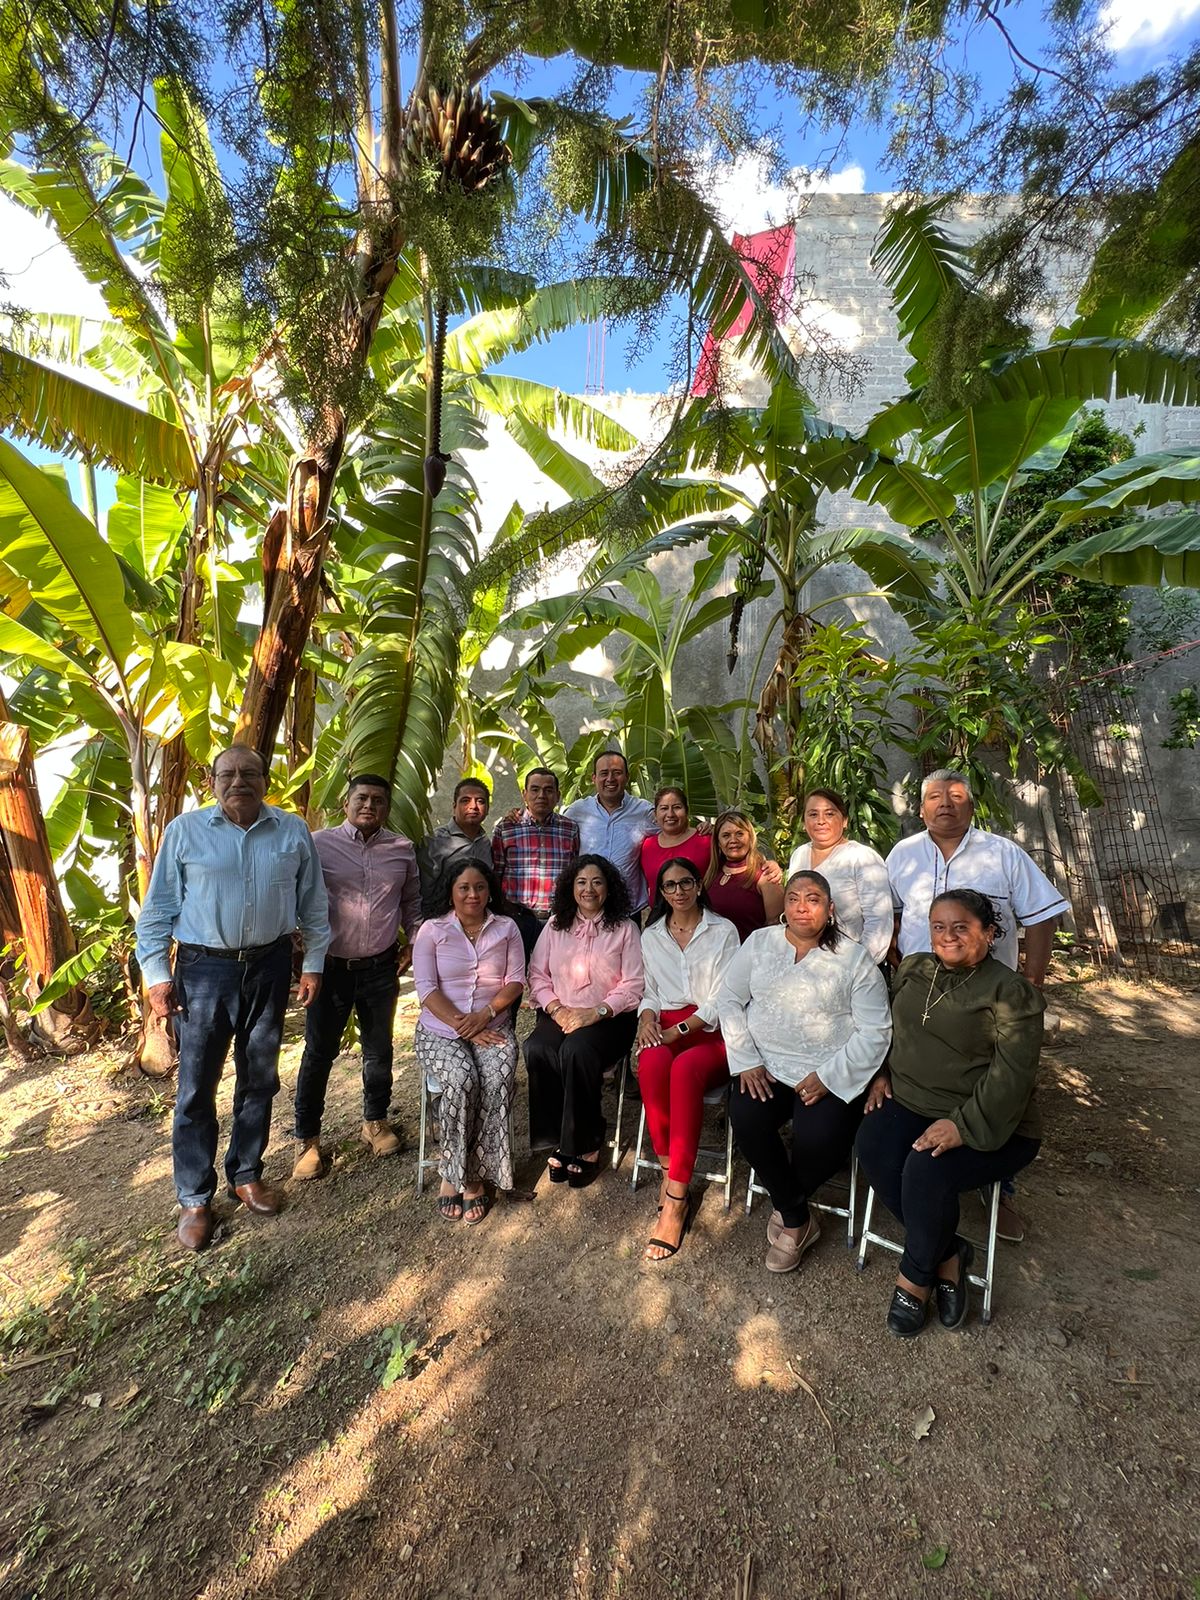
x: 954, y: 854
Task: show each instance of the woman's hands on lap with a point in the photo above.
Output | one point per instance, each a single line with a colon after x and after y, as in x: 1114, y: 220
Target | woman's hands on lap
x: 939, y: 1137
x: 571, y: 1018
x: 811, y: 1089
x: 649, y: 1032
x: 880, y: 1090
x: 473, y: 1024
x: 757, y: 1082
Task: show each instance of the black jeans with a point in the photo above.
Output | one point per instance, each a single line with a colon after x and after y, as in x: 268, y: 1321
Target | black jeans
x: 921, y: 1190
x: 529, y: 926
x: 822, y: 1135
x: 566, y: 1074
x: 224, y: 1001
x: 371, y: 992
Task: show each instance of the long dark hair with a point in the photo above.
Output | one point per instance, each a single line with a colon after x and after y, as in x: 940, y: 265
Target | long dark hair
x: 831, y: 935
x: 563, y: 909
x: 444, y: 902
x: 975, y: 902
x: 660, y: 908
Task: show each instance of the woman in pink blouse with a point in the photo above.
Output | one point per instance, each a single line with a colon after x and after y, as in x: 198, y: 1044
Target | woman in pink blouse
x: 585, y: 977
x: 469, y: 969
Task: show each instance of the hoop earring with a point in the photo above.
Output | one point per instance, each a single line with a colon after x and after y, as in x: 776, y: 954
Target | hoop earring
x: 783, y: 916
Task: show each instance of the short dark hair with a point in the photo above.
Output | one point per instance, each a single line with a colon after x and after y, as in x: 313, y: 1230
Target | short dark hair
x: 472, y: 783
x: 974, y: 901
x: 241, y: 750
x: 600, y: 755
x: 834, y: 798
x: 830, y: 934
x: 563, y: 909
x: 540, y: 772
x: 443, y: 901
x: 671, y: 788
x: 660, y: 907
x: 369, y: 780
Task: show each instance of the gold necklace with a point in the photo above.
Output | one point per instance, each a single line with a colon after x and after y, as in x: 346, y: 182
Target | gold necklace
x: 943, y: 994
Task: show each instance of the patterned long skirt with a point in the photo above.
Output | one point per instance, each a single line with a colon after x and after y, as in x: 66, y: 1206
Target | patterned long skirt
x: 478, y: 1082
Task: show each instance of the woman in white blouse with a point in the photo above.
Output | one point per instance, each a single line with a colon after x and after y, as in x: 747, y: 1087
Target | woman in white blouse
x: 804, y: 1013
x: 856, y: 874
x: 686, y: 949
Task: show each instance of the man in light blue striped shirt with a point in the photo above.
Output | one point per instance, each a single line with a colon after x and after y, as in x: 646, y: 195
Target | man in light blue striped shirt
x: 231, y: 883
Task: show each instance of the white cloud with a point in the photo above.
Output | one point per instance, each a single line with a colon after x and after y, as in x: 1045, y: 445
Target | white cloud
x: 38, y: 268
x: 748, y: 199
x: 1134, y: 24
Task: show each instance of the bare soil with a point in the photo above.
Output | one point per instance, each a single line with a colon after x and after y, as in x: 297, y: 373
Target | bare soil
x: 358, y: 1399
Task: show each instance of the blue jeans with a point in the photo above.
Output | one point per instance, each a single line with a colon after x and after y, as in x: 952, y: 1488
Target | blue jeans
x: 223, y: 1002
x: 371, y: 992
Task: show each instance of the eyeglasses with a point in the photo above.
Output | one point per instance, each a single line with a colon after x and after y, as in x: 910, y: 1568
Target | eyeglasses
x: 673, y: 885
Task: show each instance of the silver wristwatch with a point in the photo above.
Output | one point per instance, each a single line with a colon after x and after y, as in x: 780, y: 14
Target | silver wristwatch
x: 604, y: 1012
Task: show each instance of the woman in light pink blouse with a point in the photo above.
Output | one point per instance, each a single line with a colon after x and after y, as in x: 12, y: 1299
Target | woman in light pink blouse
x: 586, y: 979
x: 469, y: 969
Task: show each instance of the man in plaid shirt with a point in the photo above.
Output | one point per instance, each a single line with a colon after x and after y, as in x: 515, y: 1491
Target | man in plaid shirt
x: 530, y: 850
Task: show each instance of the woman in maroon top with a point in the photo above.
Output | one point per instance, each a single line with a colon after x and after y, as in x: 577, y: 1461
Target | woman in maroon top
x: 742, y: 884
x: 676, y: 837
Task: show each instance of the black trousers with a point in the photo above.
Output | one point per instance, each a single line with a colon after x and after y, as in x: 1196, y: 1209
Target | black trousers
x: 822, y: 1135
x: 371, y: 992
x: 566, y: 1072
x: 921, y: 1190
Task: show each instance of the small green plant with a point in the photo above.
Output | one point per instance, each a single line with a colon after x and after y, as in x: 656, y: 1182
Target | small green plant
x: 24, y: 1330
x: 391, y: 1355
x: 202, y: 1285
x: 213, y: 1385
x: 1185, y: 720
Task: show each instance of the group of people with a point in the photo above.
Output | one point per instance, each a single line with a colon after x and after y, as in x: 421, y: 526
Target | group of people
x: 783, y: 984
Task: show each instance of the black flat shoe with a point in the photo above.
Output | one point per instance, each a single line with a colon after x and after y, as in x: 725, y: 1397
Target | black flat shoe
x: 952, y: 1297
x: 558, y: 1174
x: 906, y: 1315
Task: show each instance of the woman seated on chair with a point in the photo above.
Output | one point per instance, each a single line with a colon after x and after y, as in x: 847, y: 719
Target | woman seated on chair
x: 742, y: 884
x: 804, y: 1013
x: 585, y: 977
x: 686, y: 948
x: 954, y: 1110
x: 469, y: 969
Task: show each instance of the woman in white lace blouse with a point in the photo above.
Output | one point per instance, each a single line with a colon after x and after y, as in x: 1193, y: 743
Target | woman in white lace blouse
x: 804, y: 1014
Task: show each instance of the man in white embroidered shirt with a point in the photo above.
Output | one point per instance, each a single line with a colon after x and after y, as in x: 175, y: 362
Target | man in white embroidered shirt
x: 954, y: 854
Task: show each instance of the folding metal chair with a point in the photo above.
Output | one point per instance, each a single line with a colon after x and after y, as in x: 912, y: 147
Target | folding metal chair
x: 973, y: 1278
x: 620, y: 1071
x: 431, y: 1091
x: 723, y: 1175
x: 847, y: 1211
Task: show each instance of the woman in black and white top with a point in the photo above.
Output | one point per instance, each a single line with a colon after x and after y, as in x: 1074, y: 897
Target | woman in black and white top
x: 686, y: 949
x: 804, y: 1012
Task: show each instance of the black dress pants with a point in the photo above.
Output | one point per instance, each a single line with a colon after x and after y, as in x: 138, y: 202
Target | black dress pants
x: 822, y: 1135
x: 566, y: 1073
x: 920, y: 1189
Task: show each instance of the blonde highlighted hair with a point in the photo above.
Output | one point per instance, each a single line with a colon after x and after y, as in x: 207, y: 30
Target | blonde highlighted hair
x: 755, y: 860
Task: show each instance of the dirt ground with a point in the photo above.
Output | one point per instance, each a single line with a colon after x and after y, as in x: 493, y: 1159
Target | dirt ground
x: 358, y: 1399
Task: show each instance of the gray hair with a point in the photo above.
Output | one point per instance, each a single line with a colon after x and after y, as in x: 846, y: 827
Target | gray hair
x: 946, y: 775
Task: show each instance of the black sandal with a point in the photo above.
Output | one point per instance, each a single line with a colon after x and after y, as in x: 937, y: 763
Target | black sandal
x: 558, y: 1174
x: 581, y: 1172
x: 672, y: 1249
x: 475, y: 1209
x: 446, y: 1204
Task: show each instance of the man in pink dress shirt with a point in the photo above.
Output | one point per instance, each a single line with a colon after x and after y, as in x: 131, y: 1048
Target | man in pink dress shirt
x: 374, y: 888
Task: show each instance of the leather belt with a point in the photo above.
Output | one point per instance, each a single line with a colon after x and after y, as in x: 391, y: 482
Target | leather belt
x: 249, y: 952
x: 354, y: 963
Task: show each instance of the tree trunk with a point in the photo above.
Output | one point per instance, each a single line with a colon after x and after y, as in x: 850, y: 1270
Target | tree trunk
x: 302, y: 717
x: 68, y: 1026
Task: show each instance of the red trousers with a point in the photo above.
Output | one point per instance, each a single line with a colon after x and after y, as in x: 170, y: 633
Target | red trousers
x: 673, y: 1079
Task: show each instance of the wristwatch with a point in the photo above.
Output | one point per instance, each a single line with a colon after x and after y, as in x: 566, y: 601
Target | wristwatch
x: 682, y: 1027
x: 604, y: 1012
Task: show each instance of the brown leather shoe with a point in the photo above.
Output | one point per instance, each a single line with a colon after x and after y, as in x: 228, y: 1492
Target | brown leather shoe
x: 195, y: 1228
x: 256, y: 1197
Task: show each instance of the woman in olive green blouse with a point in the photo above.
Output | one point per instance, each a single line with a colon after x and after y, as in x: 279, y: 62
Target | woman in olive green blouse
x: 953, y: 1108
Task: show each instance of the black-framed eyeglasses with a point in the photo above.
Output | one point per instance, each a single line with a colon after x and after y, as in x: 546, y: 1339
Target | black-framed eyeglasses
x: 673, y: 885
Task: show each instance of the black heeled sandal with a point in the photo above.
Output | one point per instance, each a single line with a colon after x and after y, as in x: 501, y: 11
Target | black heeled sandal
x: 663, y: 1244
x: 558, y: 1174
x: 581, y: 1172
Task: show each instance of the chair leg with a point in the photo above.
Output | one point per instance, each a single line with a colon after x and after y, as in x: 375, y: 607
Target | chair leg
x: 728, y: 1161
x: 866, y: 1229
x: 993, y: 1226
x: 622, y: 1069
x: 750, y: 1192
x: 637, y: 1154
x: 421, y: 1139
x: 852, y: 1203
